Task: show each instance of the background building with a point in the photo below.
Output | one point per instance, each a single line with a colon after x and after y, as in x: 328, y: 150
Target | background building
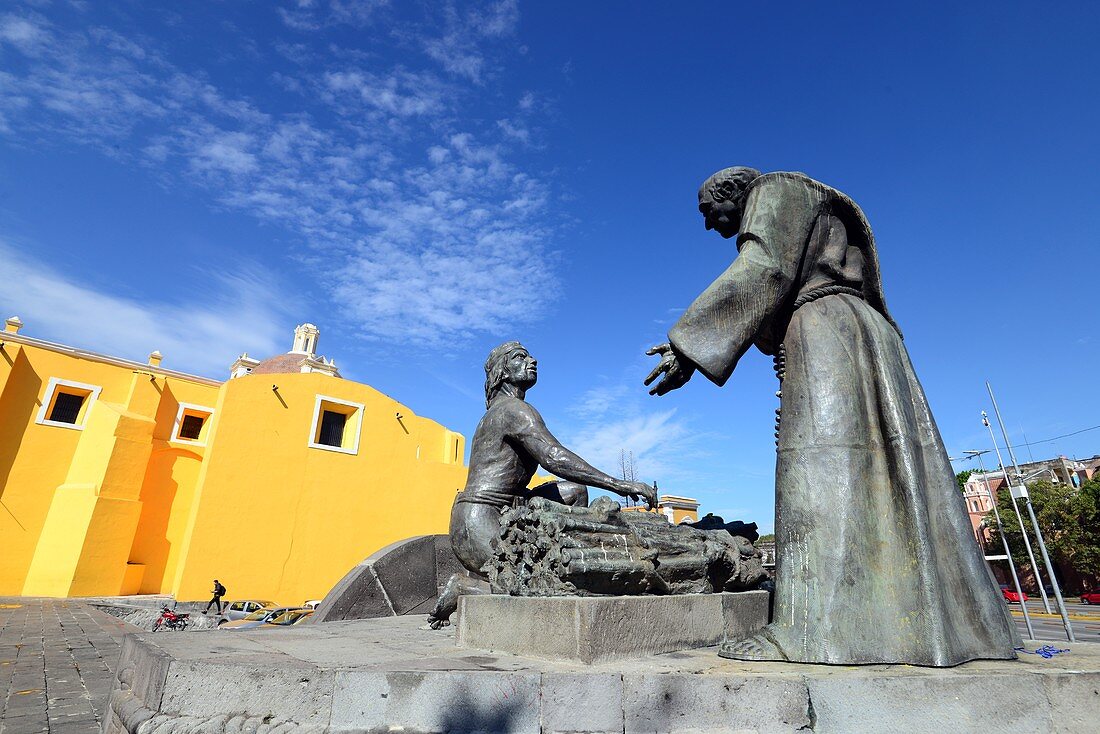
x: 1058, y: 471
x: 1059, y: 475
x: 120, y: 477
x: 676, y: 509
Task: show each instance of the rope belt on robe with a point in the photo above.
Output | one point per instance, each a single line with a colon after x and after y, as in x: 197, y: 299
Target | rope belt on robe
x: 780, y: 358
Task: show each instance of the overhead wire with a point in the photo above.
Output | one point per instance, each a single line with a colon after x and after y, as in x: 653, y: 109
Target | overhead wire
x: 1056, y: 438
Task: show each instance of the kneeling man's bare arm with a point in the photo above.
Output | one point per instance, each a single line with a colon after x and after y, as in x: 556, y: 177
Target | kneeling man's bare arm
x: 529, y: 431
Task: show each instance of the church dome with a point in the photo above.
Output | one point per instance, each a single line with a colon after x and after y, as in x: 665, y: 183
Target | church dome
x: 302, y: 357
x: 280, y: 364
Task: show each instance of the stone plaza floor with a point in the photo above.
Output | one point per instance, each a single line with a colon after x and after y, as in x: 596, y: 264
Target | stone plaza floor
x: 57, y: 665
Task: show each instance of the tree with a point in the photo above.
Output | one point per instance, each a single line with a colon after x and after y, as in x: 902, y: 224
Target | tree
x: 1069, y: 518
x: 961, y: 478
x: 627, y: 470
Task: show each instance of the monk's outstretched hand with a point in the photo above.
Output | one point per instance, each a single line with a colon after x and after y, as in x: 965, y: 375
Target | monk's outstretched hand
x: 675, y: 372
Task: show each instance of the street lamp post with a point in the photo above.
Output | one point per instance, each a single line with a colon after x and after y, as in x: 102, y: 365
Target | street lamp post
x: 1004, y: 541
x: 1022, y: 491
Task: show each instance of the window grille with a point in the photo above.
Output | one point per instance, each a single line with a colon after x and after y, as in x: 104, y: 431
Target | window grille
x: 332, y: 428
x: 191, y: 427
x: 66, y: 407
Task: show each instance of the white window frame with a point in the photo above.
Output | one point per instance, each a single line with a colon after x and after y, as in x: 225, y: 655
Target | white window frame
x: 194, y: 408
x: 47, y: 400
x: 353, y: 447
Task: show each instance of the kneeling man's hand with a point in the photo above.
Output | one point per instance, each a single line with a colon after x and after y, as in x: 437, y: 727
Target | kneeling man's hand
x: 640, y: 491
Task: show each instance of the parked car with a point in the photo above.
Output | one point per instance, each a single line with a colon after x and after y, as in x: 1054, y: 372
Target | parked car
x: 311, y: 603
x: 256, y: 619
x: 1010, y: 594
x: 241, y: 609
x: 286, y: 619
x: 1090, y: 597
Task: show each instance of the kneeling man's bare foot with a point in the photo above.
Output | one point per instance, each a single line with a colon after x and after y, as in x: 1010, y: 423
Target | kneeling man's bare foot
x: 759, y: 646
x: 435, y: 622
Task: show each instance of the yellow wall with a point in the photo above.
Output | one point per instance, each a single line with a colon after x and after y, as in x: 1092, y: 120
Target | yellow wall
x: 37, y: 460
x: 167, y: 490
x: 119, y: 507
x: 679, y: 514
x: 277, y: 519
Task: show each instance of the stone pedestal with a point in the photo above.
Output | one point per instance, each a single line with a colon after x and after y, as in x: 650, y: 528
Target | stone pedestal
x: 589, y: 629
x: 388, y: 674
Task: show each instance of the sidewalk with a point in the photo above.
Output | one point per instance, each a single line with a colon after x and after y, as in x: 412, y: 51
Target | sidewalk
x: 1016, y: 612
x: 1073, y: 609
x: 57, y: 665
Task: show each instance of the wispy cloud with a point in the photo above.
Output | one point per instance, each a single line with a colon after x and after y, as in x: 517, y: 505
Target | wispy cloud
x: 598, y: 402
x: 668, y: 447
x: 312, y: 15
x: 680, y: 450
x: 23, y: 33
x: 418, y: 219
x: 234, y: 313
x: 457, y: 49
x: 618, y: 416
x: 656, y: 439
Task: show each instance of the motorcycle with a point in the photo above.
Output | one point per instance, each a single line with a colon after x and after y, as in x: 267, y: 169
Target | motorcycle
x: 170, y: 620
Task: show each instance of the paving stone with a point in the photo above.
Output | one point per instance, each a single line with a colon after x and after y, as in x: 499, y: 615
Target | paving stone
x: 75, y: 727
x: 68, y: 710
x: 23, y: 724
x: 60, y: 660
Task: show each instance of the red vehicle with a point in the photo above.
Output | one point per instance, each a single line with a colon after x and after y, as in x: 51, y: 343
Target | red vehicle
x: 1010, y: 595
x: 170, y: 620
x: 1090, y: 597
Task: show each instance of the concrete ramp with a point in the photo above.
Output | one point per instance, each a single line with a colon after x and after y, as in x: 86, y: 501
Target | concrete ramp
x: 402, y: 578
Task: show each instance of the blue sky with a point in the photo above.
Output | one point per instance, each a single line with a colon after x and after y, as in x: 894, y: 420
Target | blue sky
x: 426, y: 180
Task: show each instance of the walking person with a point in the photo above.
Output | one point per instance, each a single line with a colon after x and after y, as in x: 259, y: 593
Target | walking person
x: 218, y: 592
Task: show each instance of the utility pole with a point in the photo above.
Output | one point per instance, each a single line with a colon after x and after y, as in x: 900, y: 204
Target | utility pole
x: 1022, y: 491
x: 1019, y: 517
x: 1004, y: 541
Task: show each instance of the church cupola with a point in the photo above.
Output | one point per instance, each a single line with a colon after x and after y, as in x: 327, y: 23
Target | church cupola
x: 302, y: 357
x: 305, y: 340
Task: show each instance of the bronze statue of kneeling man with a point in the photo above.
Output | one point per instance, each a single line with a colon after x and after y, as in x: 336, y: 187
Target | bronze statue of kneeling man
x: 511, y: 442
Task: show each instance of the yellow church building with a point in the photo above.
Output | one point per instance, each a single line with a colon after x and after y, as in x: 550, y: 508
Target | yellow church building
x: 675, y: 508
x: 123, y: 477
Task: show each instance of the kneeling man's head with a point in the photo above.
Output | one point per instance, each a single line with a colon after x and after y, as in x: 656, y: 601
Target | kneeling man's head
x: 510, y: 363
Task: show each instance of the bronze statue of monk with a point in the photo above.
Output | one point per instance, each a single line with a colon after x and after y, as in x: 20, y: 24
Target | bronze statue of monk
x: 875, y: 559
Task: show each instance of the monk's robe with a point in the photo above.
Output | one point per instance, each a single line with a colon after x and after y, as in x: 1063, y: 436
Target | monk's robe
x: 876, y: 560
